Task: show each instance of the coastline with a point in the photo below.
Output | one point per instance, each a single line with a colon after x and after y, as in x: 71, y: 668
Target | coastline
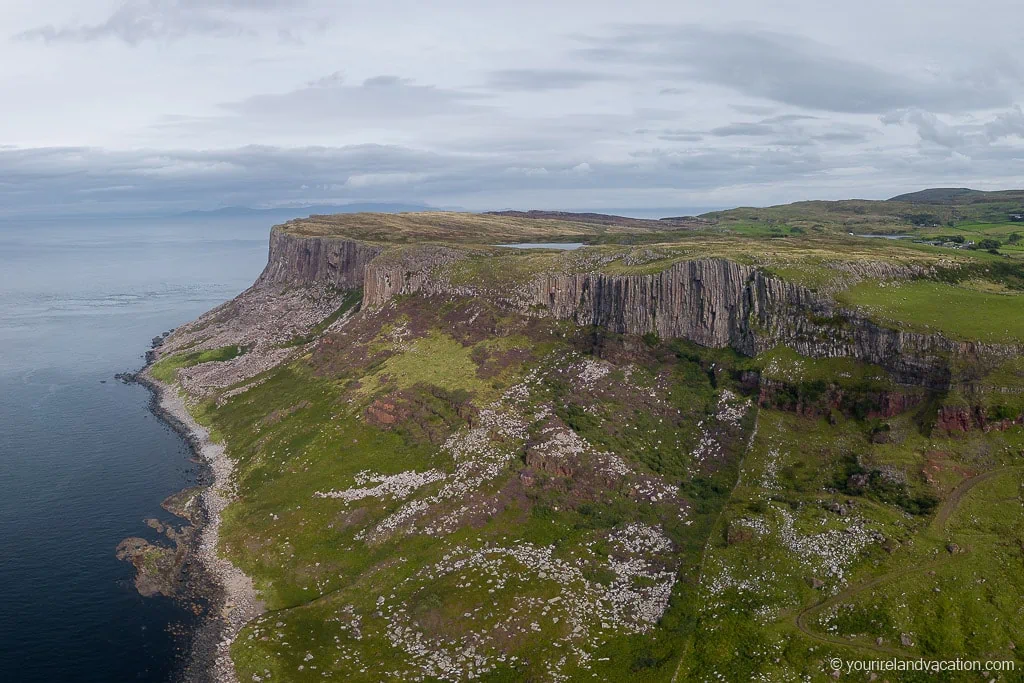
x: 230, y: 593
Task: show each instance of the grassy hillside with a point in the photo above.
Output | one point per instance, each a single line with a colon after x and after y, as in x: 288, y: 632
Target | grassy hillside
x: 451, y: 487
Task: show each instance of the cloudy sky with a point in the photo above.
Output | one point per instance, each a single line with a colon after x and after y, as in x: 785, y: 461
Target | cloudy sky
x: 165, y: 105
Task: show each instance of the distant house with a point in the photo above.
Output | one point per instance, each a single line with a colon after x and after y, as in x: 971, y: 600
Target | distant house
x: 1017, y: 217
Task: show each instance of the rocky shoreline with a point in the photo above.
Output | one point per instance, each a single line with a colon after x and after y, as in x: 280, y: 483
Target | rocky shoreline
x: 197, y: 573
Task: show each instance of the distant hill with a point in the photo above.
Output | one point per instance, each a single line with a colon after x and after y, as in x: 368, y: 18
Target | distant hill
x: 958, y: 195
x: 935, y: 195
x: 902, y: 214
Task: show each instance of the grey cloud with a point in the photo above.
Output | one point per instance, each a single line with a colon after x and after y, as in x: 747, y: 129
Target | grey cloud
x: 173, y: 179
x: 842, y: 136
x: 49, y: 180
x: 794, y: 70
x: 973, y: 139
x: 386, y: 81
x: 1006, y: 124
x: 328, y: 81
x: 752, y: 129
x: 542, y: 79
x: 329, y: 101
x: 794, y: 130
x: 681, y: 137
x: 753, y: 109
x: 789, y: 118
x: 380, y: 97
x: 46, y: 179
x: 136, y: 21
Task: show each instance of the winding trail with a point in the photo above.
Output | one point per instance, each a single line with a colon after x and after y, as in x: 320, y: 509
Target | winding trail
x: 956, y: 495
x: 937, y: 525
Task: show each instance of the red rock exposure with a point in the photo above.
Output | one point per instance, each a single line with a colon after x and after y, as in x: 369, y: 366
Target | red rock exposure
x: 959, y: 419
x: 880, y: 404
x: 953, y: 419
x: 382, y: 412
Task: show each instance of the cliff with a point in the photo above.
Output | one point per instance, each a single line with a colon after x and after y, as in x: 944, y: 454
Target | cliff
x: 712, y: 302
x: 308, y: 260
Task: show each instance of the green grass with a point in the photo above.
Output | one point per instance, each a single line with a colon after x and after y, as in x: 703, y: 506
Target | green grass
x: 436, y: 360
x: 314, y: 426
x: 755, y: 586
x: 955, y: 311
x: 297, y: 433
x: 166, y: 369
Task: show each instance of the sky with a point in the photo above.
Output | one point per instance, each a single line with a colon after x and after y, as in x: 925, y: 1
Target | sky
x: 142, y: 106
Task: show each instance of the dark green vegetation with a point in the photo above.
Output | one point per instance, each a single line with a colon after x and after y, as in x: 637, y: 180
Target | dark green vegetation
x: 930, y: 212
x: 454, y: 486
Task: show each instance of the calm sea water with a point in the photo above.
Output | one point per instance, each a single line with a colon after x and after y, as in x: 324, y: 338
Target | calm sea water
x: 83, y: 462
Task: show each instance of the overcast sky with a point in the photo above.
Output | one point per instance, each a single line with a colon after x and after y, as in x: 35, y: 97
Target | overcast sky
x: 154, y: 105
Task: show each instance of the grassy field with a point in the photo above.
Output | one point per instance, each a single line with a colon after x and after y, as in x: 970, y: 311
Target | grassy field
x: 955, y: 311
x: 323, y: 564
x: 765, y: 618
x: 773, y: 558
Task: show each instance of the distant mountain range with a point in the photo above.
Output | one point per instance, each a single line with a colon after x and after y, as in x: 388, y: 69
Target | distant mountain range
x: 289, y: 212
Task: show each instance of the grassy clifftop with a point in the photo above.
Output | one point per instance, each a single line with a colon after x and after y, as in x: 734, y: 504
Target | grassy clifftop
x: 461, y: 228
x: 927, y: 214
x: 939, y: 279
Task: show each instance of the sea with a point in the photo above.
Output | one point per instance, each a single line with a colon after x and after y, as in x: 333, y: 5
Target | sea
x: 82, y: 460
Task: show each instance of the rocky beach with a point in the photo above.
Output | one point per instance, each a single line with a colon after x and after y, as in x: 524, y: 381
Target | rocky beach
x: 193, y: 570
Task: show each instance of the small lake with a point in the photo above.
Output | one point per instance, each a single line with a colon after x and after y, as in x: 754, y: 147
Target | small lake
x: 561, y: 246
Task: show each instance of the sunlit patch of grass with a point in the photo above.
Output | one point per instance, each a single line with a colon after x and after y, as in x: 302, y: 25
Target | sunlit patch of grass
x: 166, y: 369
x: 437, y: 360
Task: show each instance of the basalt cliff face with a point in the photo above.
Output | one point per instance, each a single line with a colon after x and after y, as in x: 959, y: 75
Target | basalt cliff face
x: 712, y: 302
x: 311, y: 260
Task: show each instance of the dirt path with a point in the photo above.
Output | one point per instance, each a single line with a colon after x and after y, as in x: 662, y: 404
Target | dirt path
x: 937, y: 525
x: 849, y: 592
x: 956, y: 495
